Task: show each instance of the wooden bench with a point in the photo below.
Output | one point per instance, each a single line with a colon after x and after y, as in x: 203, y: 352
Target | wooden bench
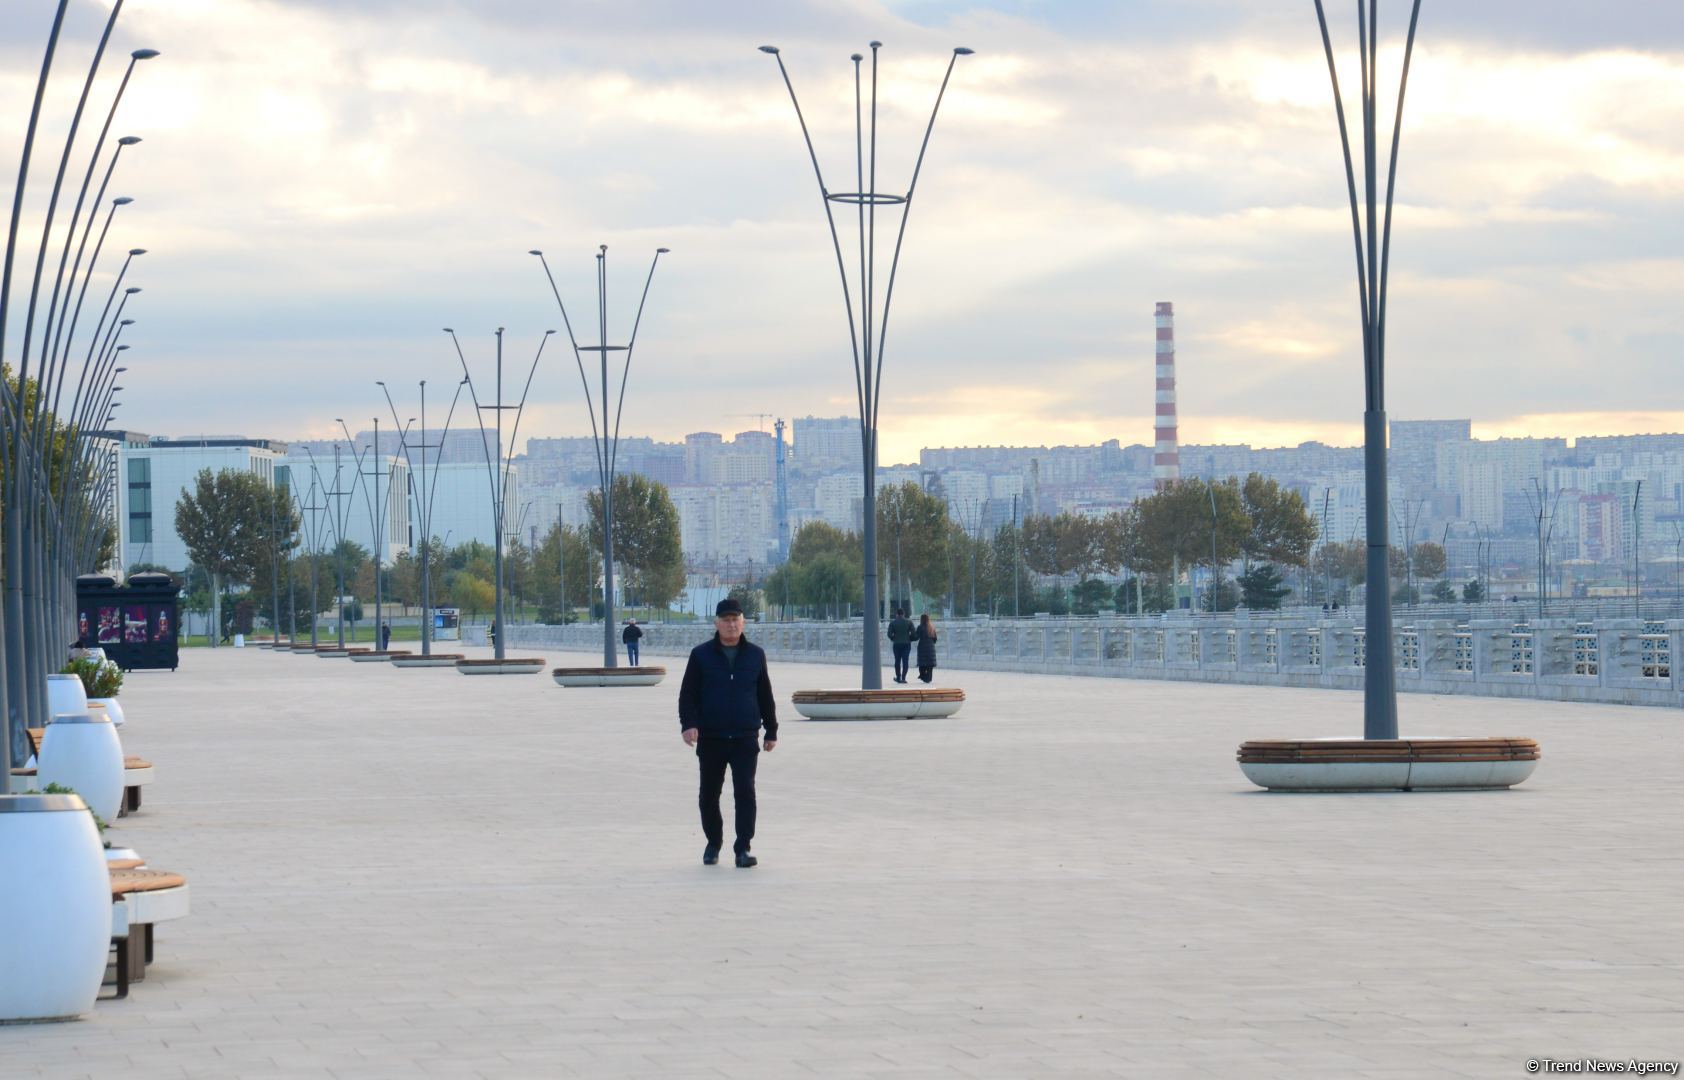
x: 137, y: 773
x: 140, y: 899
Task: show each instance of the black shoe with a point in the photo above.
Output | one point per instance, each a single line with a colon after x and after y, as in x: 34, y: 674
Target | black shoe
x: 710, y: 855
x: 745, y: 860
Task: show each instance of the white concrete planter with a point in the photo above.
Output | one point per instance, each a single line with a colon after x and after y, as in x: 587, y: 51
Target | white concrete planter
x: 525, y: 666
x: 65, y: 694
x: 333, y: 654
x: 112, y: 709
x: 83, y: 753
x: 908, y: 704
x: 52, y: 957
x: 435, y: 660
x: 378, y: 656
x: 627, y: 676
x: 1412, y: 764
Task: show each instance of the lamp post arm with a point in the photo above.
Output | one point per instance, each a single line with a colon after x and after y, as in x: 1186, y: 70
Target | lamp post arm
x: 900, y: 236
x: 625, y: 373
x: 490, y: 469
x: 514, y: 435
x: 61, y: 343
x: 1350, y: 171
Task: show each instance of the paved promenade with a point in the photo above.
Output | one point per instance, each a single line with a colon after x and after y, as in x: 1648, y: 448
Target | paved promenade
x: 413, y: 873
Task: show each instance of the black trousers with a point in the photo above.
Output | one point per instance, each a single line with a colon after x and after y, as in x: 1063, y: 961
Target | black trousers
x: 740, y: 754
x: 903, y: 653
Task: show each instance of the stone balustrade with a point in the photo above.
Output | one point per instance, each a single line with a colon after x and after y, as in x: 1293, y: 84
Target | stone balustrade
x: 1617, y: 661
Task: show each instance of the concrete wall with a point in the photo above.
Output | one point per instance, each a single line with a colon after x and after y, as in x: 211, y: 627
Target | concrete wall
x: 1617, y: 661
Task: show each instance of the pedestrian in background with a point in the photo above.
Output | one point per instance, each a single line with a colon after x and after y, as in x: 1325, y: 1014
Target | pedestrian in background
x: 725, y: 699
x: 900, y: 639
x: 925, y: 638
x: 631, y: 635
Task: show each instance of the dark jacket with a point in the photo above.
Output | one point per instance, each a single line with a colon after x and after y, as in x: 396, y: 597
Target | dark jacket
x: 631, y: 633
x: 926, y: 647
x: 721, y: 699
x: 900, y: 630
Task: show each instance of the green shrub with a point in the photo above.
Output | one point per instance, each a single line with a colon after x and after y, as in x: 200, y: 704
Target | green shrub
x: 100, y: 679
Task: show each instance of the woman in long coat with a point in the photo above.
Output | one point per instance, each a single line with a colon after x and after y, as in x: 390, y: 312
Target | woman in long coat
x: 925, y: 638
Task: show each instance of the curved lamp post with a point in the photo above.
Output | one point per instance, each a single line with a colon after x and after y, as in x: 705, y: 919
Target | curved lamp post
x: 871, y: 320
x: 423, y: 494
x: 1372, y: 233
x: 497, y: 465
x: 606, y: 440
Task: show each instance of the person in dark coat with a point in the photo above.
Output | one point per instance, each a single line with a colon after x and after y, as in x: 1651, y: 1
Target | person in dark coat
x: 724, y: 701
x: 900, y: 639
x: 630, y: 636
x: 385, y: 636
x: 925, y: 638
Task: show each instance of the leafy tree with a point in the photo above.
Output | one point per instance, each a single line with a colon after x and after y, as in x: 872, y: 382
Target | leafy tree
x: 1444, y: 592
x: 223, y: 520
x: 1136, y: 596
x: 471, y: 593
x: 1090, y: 596
x: 749, y: 598
x: 647, y: 545
x: 1406, y: 593
x: 912, y: 533
x: 1428, y: 557
x: 1067, y: 544
x: 1005, y: 563
x: 1262, y: 588
x: 571, y: 546
x: 1179, y: 528
x: 1473, y: 592
x: 817, y: 538
x: 1281, y: 528
x: 829, y: 580
x: 1222, y: 596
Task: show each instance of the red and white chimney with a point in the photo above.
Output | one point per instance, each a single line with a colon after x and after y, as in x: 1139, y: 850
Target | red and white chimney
x: 1166, y: 450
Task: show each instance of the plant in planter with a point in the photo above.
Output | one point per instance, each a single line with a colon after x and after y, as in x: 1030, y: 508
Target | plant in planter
x: 102, y: 680
x: 60, y: 789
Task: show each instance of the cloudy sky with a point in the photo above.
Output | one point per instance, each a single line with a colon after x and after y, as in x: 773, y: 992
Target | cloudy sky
x: 324, y: 184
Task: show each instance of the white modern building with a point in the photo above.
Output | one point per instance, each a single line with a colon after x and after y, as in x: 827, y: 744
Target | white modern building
x: 152, y: 475
x: 335, y: 498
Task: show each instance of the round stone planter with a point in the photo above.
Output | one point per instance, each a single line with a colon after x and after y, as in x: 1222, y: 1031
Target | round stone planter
x: 83, y: 753
x: 377, y: 656
x: 897, y: 704
x: 447, y: 659
x: 332, y: 652
x: 65, y: 694
x: 602, y: 676
x: 1427, y: 764
x: 52, y: 957
x: 305, y: 649
x: 112, y: 709
x: 529, y: 665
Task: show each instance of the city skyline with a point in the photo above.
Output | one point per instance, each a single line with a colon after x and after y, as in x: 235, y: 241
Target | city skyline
x: 1094, y: 160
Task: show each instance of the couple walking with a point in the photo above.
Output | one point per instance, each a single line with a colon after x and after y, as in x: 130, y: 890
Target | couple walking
x: 903, y: 635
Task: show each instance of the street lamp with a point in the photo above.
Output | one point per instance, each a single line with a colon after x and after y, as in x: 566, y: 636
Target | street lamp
x: 867, y: 351
x: 1373, y: 236
x: 606, y: 441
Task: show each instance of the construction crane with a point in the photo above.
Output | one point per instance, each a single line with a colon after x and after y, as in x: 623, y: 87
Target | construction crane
x: 760, y: 417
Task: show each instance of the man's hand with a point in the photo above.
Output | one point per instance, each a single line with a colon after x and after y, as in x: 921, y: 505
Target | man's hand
x: 691, y: 735
x: 771, y: 744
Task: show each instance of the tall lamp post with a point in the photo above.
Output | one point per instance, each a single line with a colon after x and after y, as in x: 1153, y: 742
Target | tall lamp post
x: 1373, y: 237
x: 867, y: 349
x: 497, y: 466
x: 424, y: 494
x: 606, y: 438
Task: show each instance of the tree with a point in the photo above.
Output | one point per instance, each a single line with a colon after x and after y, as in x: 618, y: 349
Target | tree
x: 1090, y: 596
x: 1444, y: 592
x: 647, y: 545
x: 569, y: 545
x: 1178, y: 527
x: 1281, y: 529
x: 1222, y: 596
x: 222, y: 521
x: 1473, y: 592
x: 912, y: 528
x: 1262, y: 588
x: 817, y: 538
x: 1009, y: 579
x: 749, y: 598
x: 829, y: 579
x: 1139, y: 597
x: 471, y: 593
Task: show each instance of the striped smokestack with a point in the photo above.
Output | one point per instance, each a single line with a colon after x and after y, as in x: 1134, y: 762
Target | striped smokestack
x: 1166, y: 452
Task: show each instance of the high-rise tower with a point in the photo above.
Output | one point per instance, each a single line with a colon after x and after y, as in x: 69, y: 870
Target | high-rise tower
x: 1166, y: 452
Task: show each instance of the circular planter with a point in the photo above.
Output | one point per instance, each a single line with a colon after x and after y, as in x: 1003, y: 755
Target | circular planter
x: 448, y: 659
x: 305, y: 649
x: 907, y: 704
x: 332, y: 652
x: 83, y: 753
x: 1427, y: 764
x: 112, y: 709
x: 530, y: 665
x: 599, y: 676
x: 377, y: 656
x: 52, y: 957
x: 65, y: 694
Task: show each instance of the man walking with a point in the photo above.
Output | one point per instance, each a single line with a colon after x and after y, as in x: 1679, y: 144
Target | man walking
x: 630, y: 636
x: 900, y: 636
x: 725, y: 699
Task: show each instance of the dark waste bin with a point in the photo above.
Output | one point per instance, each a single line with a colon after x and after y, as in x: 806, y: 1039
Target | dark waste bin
x: 137, y: 624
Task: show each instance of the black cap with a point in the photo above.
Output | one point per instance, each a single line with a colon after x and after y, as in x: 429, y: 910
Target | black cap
x: 727, y: 606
